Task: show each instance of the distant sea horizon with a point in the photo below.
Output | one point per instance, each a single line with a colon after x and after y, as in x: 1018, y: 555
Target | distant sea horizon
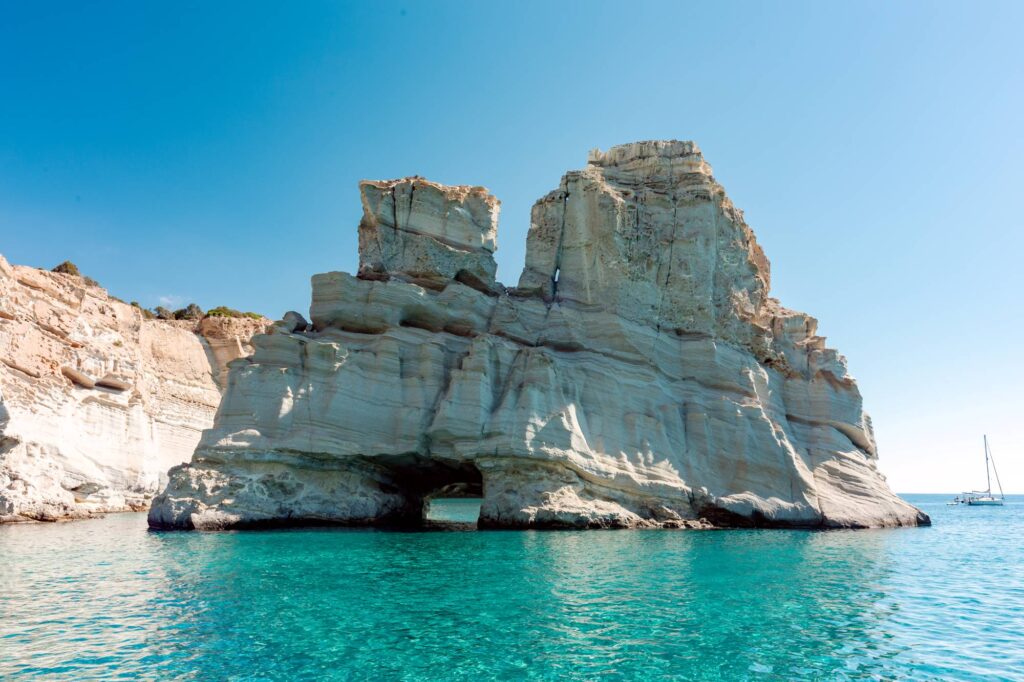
x: 955, y: 493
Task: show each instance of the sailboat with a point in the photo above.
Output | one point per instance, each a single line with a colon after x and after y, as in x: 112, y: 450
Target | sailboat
x: 985, y: 498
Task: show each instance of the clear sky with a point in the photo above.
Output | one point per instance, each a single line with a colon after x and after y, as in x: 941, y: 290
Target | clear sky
x: 209, y: 152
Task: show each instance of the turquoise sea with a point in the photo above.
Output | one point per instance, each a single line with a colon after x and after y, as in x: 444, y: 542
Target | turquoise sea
x: 107, y: 599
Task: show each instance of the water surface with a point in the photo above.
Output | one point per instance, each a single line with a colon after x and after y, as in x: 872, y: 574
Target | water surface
x: 106, y: 599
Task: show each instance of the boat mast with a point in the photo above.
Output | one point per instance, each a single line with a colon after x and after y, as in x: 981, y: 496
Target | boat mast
x: 996, y: 472
x: 988, y: 476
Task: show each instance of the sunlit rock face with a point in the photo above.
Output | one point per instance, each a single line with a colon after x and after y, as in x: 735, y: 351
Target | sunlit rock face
x: 96, y: 402
x: 638, y: 376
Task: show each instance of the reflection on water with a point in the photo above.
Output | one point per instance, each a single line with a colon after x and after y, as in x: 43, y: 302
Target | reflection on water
x: 106, y: 599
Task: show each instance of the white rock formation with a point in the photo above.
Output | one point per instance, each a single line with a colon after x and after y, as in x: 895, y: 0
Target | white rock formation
x: 638, y: 376
x: 96, y: 403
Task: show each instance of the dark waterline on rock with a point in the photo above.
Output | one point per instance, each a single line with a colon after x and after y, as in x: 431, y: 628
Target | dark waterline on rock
x: 104, y: 599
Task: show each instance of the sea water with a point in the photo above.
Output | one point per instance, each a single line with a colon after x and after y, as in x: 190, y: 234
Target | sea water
x: 107, y: 599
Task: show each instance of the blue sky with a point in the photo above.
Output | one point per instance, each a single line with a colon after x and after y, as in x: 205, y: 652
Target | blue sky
x: 210, y: 152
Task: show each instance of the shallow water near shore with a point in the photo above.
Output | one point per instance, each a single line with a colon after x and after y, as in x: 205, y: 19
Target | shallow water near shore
x: 107, y: 599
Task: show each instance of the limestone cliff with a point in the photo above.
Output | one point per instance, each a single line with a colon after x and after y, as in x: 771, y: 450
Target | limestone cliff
x: 638, y: 376
x: 96, y: 402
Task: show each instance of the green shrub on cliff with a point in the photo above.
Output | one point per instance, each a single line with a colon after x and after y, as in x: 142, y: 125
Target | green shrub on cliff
x: 224, y: 311
x: 146, y: 314
x: 67, y: 268
x: 189, y: 312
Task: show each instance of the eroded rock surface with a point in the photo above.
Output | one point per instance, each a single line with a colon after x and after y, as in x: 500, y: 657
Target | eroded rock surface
x: 638, y: 376
x: 96, y: 402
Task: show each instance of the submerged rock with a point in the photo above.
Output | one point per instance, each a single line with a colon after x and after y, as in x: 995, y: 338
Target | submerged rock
x: 96, y: 401
x: 638, y: 376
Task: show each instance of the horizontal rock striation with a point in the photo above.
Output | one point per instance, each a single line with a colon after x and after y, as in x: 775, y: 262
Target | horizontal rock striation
x: 639, y: 375
x: 96, y: 402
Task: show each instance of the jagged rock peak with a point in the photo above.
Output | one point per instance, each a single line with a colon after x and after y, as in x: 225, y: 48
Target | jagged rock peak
x: 683, y: 152
x: 428, y: 233
x: 646, y: 231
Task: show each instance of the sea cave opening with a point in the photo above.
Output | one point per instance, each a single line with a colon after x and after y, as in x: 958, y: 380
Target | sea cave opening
x: 451, y: 512
x: 456, y: 504
x: 448, y: 495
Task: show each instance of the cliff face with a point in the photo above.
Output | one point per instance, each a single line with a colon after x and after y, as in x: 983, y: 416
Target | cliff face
x: 96, y: 403
x: 638, y: 376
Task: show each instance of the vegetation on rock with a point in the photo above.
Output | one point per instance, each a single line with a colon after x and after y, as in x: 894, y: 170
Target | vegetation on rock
x: 224, y: 311
x: 67, y: 268
x: 189, y: 312
x: 146, y: 313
